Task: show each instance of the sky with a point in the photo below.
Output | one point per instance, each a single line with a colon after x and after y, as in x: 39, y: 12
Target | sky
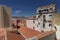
x: 28, y: 7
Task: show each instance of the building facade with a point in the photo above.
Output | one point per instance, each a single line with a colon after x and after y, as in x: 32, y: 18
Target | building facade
x: 44, y: 17
x: 31, y: 23
x: 5, y: 16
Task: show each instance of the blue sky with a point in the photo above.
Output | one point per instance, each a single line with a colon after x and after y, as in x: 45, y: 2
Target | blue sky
x: 27, y: 7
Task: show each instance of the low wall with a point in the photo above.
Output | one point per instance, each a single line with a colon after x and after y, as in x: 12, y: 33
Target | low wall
x: 49, y: 37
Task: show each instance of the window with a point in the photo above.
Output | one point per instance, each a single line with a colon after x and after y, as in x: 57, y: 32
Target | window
x: 43, y: 16
x: 39, y: 11
x: 50, y: 15
x: 45, y: 10
x: 51, y: 8
x: 50, y: 21
x: 33, y: 27
x: 33, y: 21
x: 38, y: 23
x: 38, y: 16
x: 49, y: 24
x: 43, y: 25
x: 44, y: 20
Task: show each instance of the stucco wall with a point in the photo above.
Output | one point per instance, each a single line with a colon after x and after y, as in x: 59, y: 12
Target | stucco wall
x: 30, y: 23
x: 50, y: 37
x: 58, y: 31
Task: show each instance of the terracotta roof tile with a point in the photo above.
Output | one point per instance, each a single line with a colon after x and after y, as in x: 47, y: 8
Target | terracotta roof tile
x: 14, y: 36
x: 11, y: 35
x: 28, y: 32
x: 47, y: 6
x: 23, y: 21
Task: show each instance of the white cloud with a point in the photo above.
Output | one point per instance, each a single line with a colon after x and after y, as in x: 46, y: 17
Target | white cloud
x: 17, y: 11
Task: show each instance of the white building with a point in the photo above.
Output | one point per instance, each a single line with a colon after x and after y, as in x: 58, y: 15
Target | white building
x: 31, y: 23
x: 44, y: 18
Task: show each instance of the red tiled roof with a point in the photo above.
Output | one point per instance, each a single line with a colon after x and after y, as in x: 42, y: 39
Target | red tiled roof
x: 23, y: 21
x: 11, y: 35
x: 47, y: 6
x: 14, y: 36
x: 28, y: 32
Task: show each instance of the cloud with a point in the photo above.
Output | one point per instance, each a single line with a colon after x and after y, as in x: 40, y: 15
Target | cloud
x: 17, y: 11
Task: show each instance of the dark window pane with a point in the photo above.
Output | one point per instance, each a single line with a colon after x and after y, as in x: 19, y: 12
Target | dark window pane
x: 38, y: 16
x: 40, y: 11
x: 49, y: 24
x: 43, y: 15
x: 50, y: 15
x: 33, y: 27
x: 51, y: 8
x: 38, y: 23
x: 44, y: 20
x: 33, y: 21
x: 43, y: 25
x: 45, y: 10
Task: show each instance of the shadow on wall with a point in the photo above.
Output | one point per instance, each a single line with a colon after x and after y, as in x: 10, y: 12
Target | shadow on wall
x: 6, y: 18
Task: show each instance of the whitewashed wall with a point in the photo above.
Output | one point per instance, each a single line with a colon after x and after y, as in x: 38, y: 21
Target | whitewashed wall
x: 30, y: 23
x: 47, y: 16
x: 58, y: 31
x: 47, y: 27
